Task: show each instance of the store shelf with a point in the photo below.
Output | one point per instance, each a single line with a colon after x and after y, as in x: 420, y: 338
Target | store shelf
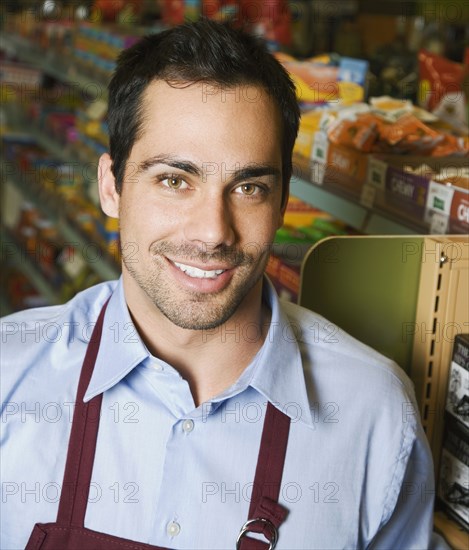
x: 52, y: 206
x: 54, y: 148
x: 19, y: 125
x: 17, y: 257
x: 347, y: 208
x: 52, y: 64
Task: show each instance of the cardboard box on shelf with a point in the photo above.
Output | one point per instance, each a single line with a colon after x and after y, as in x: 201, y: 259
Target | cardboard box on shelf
x: 346, y: 168
x: 405, y: 187
x: 337, y: 165
x: 459, y: 212
x: 457, y: 399
x: 453, y: 489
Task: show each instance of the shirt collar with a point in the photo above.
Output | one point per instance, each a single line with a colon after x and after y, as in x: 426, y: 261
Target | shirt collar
x: 121, y: 348
x: 276, y: 372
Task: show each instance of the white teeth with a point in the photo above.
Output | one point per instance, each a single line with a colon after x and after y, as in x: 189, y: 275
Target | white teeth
x: 199, y: 273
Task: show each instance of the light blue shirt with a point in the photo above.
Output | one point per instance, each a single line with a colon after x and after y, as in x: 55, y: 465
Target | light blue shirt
x: 358, y: 470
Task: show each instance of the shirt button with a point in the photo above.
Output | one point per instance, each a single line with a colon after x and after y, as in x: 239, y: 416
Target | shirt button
x: 158, y: 367
x: 173, y: 529
x: 188, y: 425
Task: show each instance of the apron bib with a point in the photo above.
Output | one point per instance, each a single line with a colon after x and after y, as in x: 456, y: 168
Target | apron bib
x: 69, y: 531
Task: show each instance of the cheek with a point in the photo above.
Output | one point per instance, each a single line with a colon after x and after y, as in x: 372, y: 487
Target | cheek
x: 259, y: 229
x: 146, y: 221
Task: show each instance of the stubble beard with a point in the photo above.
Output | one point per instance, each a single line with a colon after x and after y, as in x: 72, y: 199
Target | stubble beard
x: 195, y: 310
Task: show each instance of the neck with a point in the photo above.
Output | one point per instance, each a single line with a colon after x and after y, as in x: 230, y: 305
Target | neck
x: 210, y: 360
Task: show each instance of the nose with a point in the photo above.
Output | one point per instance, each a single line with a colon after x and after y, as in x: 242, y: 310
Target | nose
x: 210, y: 222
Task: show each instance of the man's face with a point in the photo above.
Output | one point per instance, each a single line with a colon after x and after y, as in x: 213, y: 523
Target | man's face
x: 201, y: 200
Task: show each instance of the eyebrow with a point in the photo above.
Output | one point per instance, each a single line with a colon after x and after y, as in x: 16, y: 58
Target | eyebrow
x: 254, y: 171
x: 169, y: 160
x: 236, y: 175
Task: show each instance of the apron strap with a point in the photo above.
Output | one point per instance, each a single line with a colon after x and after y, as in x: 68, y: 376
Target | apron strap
x: 265, y: 513
x: 82, y: 442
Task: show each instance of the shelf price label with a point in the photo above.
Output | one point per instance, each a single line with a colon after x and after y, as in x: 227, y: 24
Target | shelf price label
x: 439, y: 197
x: 319, y: 153
x: 367, y: 196
x: 318, y: 172
x: 376, y: 173
x: 438, y: 207
x: 320, y: 148
x: 438, y: 223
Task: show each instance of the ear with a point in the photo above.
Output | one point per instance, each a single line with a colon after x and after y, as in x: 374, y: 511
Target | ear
x: 108, y: 195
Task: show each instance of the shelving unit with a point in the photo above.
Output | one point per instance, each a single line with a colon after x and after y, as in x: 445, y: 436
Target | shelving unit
x: 46, y: 202
x: 20, y: 126
x: 19, y: 259
x: 50, y: 63
x: 50, y: 205
x: 349, y: 210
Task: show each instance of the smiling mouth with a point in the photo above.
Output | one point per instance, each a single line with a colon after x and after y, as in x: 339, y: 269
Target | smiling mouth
x: 197, y: 273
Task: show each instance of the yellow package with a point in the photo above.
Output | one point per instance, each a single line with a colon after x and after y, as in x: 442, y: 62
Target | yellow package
x: 299, y: 213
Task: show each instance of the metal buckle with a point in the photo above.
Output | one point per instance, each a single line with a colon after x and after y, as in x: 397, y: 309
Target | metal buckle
x: 246, y: 528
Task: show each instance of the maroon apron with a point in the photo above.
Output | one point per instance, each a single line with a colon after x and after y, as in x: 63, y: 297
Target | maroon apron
x: 69, y: 532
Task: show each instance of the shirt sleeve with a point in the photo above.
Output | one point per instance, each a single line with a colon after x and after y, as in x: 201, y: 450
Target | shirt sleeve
x: 410, y: 525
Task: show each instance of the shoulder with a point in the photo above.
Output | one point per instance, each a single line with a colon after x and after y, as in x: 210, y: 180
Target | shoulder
x: 39, y: 341
x: 85, y: 305
x: 337, y: 364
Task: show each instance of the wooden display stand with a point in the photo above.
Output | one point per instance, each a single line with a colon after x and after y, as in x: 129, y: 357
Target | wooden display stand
x: 442, y: 312
x: 407, y: 297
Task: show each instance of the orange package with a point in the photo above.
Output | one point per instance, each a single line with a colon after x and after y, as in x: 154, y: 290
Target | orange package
x: 360, y: 134
x: 450, y: 145
x: 410, y: 133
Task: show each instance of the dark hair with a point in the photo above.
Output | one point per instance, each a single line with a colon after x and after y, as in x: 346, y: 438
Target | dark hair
x: 204, y: 51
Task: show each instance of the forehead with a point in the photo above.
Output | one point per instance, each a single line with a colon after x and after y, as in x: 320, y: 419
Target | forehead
x: 210, y: 119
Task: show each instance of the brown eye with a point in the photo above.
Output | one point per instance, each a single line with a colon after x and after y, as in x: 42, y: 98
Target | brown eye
x: 248, y: 189
x: 174, y: 182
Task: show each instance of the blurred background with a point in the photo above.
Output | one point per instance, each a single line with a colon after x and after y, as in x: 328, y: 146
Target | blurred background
x: 382, y: 148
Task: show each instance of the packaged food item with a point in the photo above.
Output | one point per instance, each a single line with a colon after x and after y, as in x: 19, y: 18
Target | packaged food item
x: 27, y: 216
x: 172, y: 12
x: 299, y: 213
x: 311, y: 122
x: 369, y: 132
x: 390, y: 108
x: 315, y: 83
x: 442, y: 90
x: 454, y: 466
x: 327, y: 80
x: 360, y: 133
x: 453, y: 175
x: 303, y: 227
x: 410, y: 134
x: 450, y: 145
x: 48, y: 247
x: 352, y: 80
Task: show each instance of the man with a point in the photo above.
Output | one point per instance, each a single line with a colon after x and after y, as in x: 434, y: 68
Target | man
x: 223, y: 414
